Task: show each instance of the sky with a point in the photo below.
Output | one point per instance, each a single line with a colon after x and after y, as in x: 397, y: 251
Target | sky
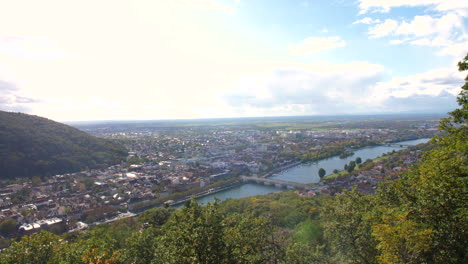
x: 72, y: 60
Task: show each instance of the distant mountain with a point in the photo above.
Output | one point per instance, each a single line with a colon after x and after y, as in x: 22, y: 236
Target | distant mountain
x: 36, y: 146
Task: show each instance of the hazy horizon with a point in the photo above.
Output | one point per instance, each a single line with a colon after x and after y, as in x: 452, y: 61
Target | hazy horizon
x: 389, y: 116
x: 197, y: 59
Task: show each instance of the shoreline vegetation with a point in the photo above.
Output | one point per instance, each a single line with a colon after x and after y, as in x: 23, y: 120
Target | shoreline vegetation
x: 233, y: 181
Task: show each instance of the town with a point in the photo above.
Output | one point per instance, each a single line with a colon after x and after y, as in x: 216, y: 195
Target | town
x: 168, y: 165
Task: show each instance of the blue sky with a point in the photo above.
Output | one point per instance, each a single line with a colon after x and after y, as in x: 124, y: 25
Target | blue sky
x: 157, y: 59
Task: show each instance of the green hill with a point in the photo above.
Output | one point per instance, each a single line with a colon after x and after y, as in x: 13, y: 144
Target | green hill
x: 36, y: 146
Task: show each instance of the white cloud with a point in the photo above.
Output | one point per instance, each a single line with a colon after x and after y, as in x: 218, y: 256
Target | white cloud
x: 320, y: 88
x: 426, y: 25
x: 420, y: 26
x: 457, y: 51
x: 313, y: 44
x: 459, y: 6
x: 356, y: 88
x: 435, y: 42
x: 398, y: 41
x: 11, y: 98
x: 444, y: 31
x: 367, y: 20
x: 432, y: 91
x: 384, y: 29
x: 431, y: 83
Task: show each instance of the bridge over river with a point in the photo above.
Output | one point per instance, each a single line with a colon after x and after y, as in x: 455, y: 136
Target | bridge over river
x: 397, y: 145
x: 277, y: 183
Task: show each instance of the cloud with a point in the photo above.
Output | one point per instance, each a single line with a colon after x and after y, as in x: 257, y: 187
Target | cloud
x: 384, y: 29
x: 435, y: 42
x: 307, y: 89
x: 384, y: 6
x: 355, y: 88
x: 445, y: 31
x: 442, y: 103
x: 312, y: 44
x: 399, y: 41
x: 11, y: 101
x: 457, y: 50
x: 431, y: 83
x: 367, y: 20
x: 445, y: 26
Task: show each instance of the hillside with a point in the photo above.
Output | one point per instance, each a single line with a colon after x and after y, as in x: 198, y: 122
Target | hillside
x: 36, y: 146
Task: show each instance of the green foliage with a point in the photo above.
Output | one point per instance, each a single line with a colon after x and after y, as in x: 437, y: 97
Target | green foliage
x: 457, y: 122
x: 99, y: 213
x: 284, y: 209
x: 141, y: 246
x: 321, y: 172
x: 346, y: 228
x: 35, y: 146
x: 308, y: 231
x: 351, y: 166
x: 8, y: 227
x: 201, y: 234
x: 337, y: 148
x: 155, y: 217
x: 422, y: 217
x: 298, y: 253
x: 4, y: 243
x: 35, y: 249
x: 358, y: 160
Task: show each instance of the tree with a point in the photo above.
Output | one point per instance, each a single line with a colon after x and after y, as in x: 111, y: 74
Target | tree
x: 458, y: 119
x: 201, y: 234
x: 141, y: 246
x: 346, y: 228
x: 34, y: 249
x: 155, y: 217
x: 36, y: 180
x: 358, y: 160
x: 8, y: 227
x: 321, y: 172
x: 351, y: 166
x: 335, y: 171
x: 421, y: 218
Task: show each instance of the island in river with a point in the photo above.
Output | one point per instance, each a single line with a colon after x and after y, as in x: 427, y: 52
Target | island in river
x: 308, y: 172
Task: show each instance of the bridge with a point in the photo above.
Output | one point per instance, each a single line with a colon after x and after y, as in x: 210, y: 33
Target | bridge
x: 396, y: 145
x: 277, y: 183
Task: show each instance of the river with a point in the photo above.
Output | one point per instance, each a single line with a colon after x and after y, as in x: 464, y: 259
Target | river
x: 308, y: 173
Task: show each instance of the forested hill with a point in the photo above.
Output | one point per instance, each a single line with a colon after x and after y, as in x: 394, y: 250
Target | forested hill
x: 36, y: 146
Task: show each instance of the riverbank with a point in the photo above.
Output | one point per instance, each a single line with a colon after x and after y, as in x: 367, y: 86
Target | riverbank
x: 210, y: 191
x: 233, y: 189
x: 296, y: 171
x: 280, y: 169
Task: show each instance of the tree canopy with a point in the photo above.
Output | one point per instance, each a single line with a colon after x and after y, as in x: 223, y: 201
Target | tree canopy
x: 35, y: 146
x: 321, y: 172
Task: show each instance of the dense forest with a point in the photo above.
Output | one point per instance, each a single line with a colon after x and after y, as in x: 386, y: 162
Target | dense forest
x: 419, y: 218
x: 35, y: 146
